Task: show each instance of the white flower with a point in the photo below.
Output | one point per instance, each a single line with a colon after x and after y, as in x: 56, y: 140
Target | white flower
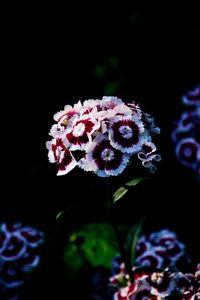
x: 125, y: 134
x: 103, y: 159
x: 80, y: 130
x: 57, y: 131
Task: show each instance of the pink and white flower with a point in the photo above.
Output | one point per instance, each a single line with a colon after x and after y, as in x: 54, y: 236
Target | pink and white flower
x: 68, y: 112
x: 162, y: 284
x: 57, y: 131
x: 145, y: 286
x: 103, y: 159
x: 109, y: 102
x: 61, y: 155
x: 79, y: 131
x: 126, y: 134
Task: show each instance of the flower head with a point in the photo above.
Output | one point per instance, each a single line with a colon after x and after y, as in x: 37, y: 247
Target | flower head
x: 186, y: 134
x: 154, y: 272
x: 18, y: 255
x: 108, y: 132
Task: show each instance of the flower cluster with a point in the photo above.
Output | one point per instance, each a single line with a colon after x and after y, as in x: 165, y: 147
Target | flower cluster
x: 145, y: 285
x: 18, y: 255
x: 155, y: 251
x: 157, y: 285
x: 155, y: 277
x: 159, y: 249
x: 101, y: 136
x: 186, y: 134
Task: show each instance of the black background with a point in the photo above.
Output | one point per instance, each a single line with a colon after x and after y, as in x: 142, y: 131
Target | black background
x: 51, y: 55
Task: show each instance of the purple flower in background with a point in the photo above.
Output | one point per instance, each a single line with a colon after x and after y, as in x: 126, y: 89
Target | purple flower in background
x: 157, y: 254
x: 18, y: 256
x: 159, y: 278
x: 107, y: 133
x: 186, y: 134
x: 159, y: 249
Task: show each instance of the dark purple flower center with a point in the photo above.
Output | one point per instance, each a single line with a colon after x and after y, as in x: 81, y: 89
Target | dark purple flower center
x: 106, y: 157
x: 126, y: 133
x: 65, y: 161
x: 13, y: 247
x: 188, y: 152
x: 142, y: 295
x: 31, y: 236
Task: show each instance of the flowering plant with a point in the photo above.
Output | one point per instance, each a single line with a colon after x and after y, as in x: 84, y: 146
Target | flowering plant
x: 102, y: 136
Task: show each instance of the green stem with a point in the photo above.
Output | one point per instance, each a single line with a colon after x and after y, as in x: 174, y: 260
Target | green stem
x: 117, y: 232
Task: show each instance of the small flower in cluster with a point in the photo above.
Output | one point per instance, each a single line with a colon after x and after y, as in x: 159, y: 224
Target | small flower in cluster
x: 189, y: 285
x: 186, y: 134
x: 159, y: 249
x: 102, y: 136
x: 119, y: 275
x: 18, y: 255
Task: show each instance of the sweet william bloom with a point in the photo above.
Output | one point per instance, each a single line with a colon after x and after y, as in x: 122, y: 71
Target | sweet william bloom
x: 125, y: 134
x: 109, y: 134
x: 156, y: 250
x: 186, y: 134
x: 18, y: 255
x: 104, y: 159
x: 187, y: 152
x: 79, y: 131
x: 147, y: 286
x: 60, y: 154
x: 159, y: 249
x: 63, y: 116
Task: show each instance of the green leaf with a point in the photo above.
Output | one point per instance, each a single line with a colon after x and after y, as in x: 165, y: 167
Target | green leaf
x: 72, y: 208
x: 135, y: 181
x: 60, y: 214
x: 93, y: 243
x: 132, y: 240
x: 119, y: 194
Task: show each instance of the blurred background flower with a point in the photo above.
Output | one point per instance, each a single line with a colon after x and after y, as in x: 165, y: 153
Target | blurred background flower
x: 186, y: 134
x: 18, y: 256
